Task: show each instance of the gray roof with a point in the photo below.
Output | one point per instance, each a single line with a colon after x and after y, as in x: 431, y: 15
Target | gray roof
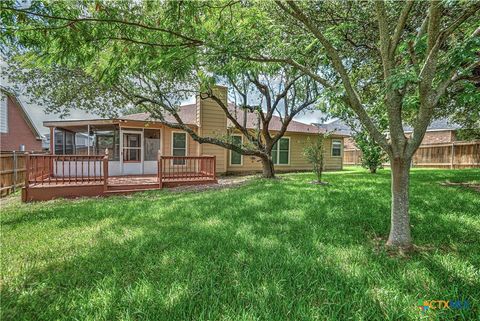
x: 436, y: 124
x: 336, y: 125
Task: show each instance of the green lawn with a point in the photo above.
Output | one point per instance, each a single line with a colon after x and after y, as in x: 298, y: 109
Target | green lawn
x: 269, y: 250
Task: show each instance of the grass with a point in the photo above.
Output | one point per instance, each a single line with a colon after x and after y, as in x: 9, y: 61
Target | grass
x: 269, y: 250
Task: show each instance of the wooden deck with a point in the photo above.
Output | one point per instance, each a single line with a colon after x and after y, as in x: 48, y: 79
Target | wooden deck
x: 44, y: 181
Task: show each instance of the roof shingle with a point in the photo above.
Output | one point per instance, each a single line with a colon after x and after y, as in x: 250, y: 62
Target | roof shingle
x: 188, y: 113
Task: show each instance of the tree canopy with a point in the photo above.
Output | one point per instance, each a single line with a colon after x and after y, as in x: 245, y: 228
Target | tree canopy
x: 382, y: 61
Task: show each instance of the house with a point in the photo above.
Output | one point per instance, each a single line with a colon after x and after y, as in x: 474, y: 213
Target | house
x: 440, y: 131
x: 440, y: 147
x: 17, y: 131
x: 141, y: 148
x: 133, y: 141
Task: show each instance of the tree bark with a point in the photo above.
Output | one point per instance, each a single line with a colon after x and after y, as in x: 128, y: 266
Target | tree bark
x: 373, y: 170
x: 319, y: 175
x: 268, y: 170
x: 400, y: 236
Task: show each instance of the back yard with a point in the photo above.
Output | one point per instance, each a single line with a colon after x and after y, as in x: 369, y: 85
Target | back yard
x: 268, y: 250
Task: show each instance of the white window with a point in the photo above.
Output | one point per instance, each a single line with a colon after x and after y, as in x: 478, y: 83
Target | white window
x: 336, y: 147
x: 281, y: 151
x: 236, y: 158
x: 3, y: 114
x: 179, y: 147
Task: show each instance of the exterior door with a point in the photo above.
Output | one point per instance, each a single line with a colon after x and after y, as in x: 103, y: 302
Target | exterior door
x: 151, y: 148
x: 132, y: 152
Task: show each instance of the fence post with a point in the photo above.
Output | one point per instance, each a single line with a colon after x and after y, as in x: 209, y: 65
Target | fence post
x: 15, y: 176
x: 27, y: 174
x: 159, y: 172
x: 452, y: 158
x: 27, y: 169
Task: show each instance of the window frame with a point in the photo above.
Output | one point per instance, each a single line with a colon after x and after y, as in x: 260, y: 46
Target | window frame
x: 341, y: 148
x: 4, y: 102
x: 231, y: 151
x: 278, y: 151
x: 172, y: 148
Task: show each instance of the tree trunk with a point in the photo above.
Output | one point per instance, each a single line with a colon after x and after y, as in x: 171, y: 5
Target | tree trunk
x: 400, y: 236
x: 373, y: 170
x: 268, y: 171
x: 319, y: 175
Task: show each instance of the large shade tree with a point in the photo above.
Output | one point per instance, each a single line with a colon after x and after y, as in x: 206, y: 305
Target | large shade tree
x: 403, y: 62
x: 395, y: 60
x: 407, y: 54
x: 101, y: 58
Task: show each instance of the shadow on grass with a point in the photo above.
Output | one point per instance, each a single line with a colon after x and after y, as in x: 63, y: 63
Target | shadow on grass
x: 269, y: 250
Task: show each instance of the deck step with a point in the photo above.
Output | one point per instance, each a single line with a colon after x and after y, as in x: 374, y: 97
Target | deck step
x: 128, y: 191
x: 131, y: 187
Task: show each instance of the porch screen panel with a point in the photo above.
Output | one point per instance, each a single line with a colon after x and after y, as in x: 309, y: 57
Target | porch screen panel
x: 108, y: 139
x: 58, y: 140
x: 152, y: 144
x: 131, y: 147
x: 69, y: 143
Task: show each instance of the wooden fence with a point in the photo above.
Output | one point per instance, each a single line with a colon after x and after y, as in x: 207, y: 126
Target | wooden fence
x: 12, y: 172
x: 453, y: 155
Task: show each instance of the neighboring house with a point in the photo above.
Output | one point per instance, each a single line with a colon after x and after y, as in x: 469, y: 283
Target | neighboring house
x: 439, y: 131
x: 135, y: 141
x: 18, y: 133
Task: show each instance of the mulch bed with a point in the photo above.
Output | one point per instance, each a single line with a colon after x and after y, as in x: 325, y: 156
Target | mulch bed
x: 223, y: 182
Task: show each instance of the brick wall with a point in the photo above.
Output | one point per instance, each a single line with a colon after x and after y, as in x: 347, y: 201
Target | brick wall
x: 436, y: 137
x: 18, y: 131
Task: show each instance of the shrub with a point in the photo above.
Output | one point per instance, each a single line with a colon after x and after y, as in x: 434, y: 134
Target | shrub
x: 373, y: 155
x: 314, y: 153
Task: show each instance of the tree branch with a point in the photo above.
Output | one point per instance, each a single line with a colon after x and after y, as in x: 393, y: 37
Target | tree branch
x: 112, y: 21
x: 384, y: 37
x: 402, y: 21
x: 158, y: 115
x: 352, y: 99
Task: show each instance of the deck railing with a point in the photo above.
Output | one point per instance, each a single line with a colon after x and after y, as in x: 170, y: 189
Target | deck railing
x: 186, y: 168
x: 42, y: 169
